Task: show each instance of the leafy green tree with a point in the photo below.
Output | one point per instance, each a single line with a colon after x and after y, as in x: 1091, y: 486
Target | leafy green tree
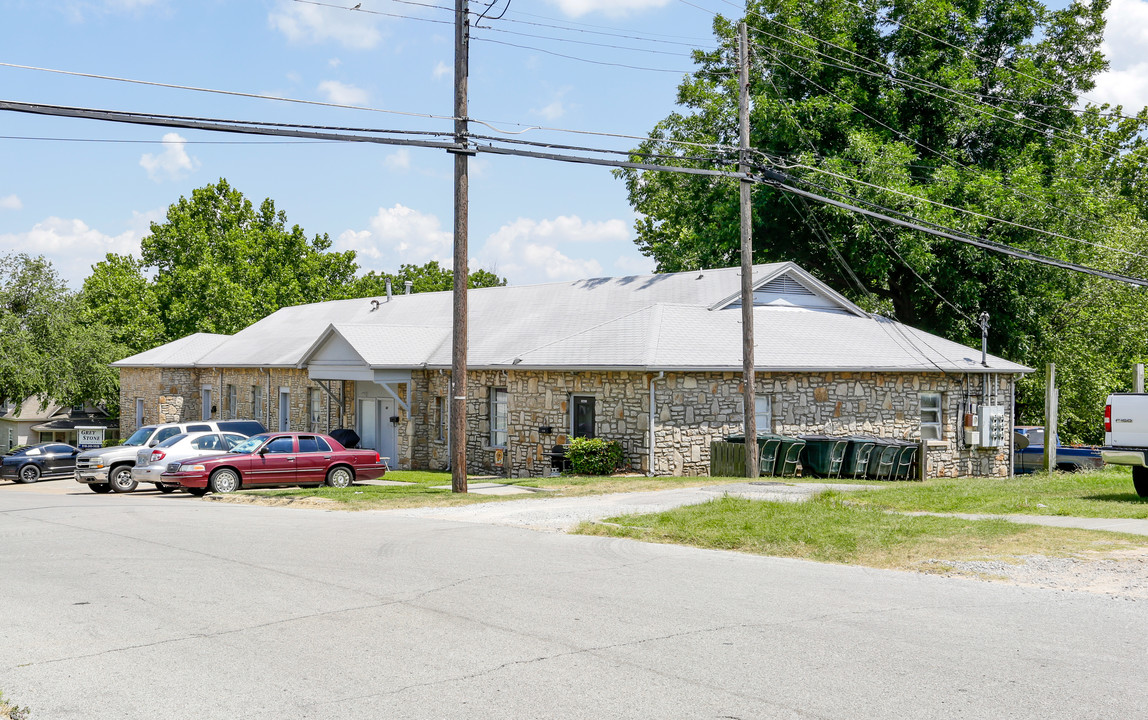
x: 926, y: 108
x: 118, y: 295
x: 430, y: 277
x: 47, y: 346
x: 220, y: 263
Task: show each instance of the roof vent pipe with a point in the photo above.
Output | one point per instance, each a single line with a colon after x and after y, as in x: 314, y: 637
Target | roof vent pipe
x: 408, y: 285
x: 388, y: 289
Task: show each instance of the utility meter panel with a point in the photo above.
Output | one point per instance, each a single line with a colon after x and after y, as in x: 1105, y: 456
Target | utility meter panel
x: 992, y: 425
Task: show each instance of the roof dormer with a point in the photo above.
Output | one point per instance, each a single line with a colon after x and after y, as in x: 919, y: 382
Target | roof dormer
x: 789, y: 286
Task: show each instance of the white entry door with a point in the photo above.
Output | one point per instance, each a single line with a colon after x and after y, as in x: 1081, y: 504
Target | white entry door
x: 376, y: 431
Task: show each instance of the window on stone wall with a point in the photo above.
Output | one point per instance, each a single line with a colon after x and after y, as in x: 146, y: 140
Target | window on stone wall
x: 763, y: 413
x: 314, y: 408
x: 232, y: 402
x: 498, y: 417
x: 257, y: 403
x: 139, y: 412
x: 206, y: 404
x: 931, y: 416
x: 438, y: 418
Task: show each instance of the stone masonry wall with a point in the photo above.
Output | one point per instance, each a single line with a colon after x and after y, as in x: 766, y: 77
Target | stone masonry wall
x: 691, y: 410
x: 175, y: 395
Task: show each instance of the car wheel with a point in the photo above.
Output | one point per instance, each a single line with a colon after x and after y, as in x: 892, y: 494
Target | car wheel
x: 100, y: 488
x: 1140, y: 480
x: 165, y: 489
x: 339, y: 477
x: 28, y: 474
x: 120, y: 478
x: 224, y: 481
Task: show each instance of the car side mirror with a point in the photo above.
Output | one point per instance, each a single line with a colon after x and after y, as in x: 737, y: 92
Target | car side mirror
x: 75, y: 452
x: 262, y: 451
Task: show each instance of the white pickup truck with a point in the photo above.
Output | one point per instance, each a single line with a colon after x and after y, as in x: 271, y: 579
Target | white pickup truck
x: 1126, y: 436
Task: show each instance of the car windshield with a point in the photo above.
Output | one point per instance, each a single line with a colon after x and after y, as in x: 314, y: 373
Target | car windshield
x: 139, y: 437
x: 249, y: 445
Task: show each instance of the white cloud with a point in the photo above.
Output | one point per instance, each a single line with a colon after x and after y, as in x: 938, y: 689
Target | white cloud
x: 10, y: 202
x: 172, y: 163
x: 613, y: 8
x: 73, y: 247
x: 564, y: 248
x: 399, y: 160
x: 553, y: 111
x: 398, y: 235
x: 334, y: 62
x: 442, y: 70
x: 1125, y: 40
x: 315, y: 24
x: 342, y: 93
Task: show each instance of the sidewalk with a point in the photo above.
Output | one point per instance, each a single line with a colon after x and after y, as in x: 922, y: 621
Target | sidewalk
x: 1125, y: 525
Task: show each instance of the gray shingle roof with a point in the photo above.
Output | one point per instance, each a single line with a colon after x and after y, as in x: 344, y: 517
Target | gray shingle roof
x: 184, y: 352
x: 651, y: 322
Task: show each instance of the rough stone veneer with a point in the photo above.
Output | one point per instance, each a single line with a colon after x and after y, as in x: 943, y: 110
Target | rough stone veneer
x: 691, y: 410
x: 175, y: 395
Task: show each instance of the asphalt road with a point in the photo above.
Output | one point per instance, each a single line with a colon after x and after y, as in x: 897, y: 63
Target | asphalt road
x: 147, y: 606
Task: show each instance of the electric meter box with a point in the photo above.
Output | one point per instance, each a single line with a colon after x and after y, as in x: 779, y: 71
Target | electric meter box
x: 991, y: 425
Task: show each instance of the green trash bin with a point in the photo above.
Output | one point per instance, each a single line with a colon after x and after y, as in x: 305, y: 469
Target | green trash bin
x: 788, y: 456
x: 767, y: 447
x: 856, y: 462
x: 823, y: 455
x: 883, y: 459
x: 906, y: 458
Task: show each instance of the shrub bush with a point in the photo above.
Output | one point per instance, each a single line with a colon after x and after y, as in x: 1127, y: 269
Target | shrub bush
x: 594, y: 456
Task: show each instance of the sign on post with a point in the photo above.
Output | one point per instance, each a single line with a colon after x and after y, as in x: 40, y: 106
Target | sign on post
x: 88, y: 438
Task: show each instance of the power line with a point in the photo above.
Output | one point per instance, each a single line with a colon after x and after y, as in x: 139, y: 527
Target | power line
x: 768, y: 176
x: 581, y: 59
x: 234, y: 93
x: 385, y: 14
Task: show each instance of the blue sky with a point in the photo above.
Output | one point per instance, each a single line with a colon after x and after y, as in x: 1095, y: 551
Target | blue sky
x: 531, y: 220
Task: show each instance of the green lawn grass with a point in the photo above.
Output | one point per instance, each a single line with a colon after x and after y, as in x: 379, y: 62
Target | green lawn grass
x: 828, y: 529
x: 1106, y: 493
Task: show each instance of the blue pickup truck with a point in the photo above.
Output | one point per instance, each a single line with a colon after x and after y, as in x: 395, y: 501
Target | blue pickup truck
x: 1030, y: 457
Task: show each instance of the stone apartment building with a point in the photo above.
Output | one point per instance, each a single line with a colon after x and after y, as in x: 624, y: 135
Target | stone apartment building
x: 651, y: 361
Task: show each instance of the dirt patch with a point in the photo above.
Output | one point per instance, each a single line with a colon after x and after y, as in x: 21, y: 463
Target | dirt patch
x: 1119, y: 574
x: 304, y: 502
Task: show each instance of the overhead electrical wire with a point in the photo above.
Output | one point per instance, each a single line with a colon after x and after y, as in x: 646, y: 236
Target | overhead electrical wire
x: 385, y: 14
x: 767, y: 175
x: 582, y: 59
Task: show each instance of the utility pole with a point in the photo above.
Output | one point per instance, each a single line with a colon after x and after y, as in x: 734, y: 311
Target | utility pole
x: 1138, y: 378
x: 749, y: 398
x: 458, y: 385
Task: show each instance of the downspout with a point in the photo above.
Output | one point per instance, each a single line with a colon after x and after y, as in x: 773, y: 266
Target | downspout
x: 267, y: 400
x: 653, y: 416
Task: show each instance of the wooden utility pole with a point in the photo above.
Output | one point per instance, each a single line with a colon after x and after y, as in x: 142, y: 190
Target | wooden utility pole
x: 750, y: 395
x: 1050, y: 408
x: 458, y: 386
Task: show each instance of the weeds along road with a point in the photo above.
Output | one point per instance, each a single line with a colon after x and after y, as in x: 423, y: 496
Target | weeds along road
x: 146, y: 606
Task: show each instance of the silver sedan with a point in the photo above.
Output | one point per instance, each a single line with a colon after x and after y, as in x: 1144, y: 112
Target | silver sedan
x: 151, y: 462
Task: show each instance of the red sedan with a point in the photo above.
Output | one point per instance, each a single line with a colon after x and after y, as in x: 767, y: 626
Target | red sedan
x: 277, y: 459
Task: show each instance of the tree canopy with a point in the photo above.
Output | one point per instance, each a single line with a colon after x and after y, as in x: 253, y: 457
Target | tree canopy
x: 218, y: 264
x: 960, y: 114
x: 48, y: 346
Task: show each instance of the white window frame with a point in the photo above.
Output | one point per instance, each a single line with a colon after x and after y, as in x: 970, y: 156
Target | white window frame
x: 284, y: 402
x: 499, y: 431
x: 139, y: 412
x: 932, y: 415
x: 232, y: 402
x: 763, y: 413
x: 314, y: 409
x: 205, y: 400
